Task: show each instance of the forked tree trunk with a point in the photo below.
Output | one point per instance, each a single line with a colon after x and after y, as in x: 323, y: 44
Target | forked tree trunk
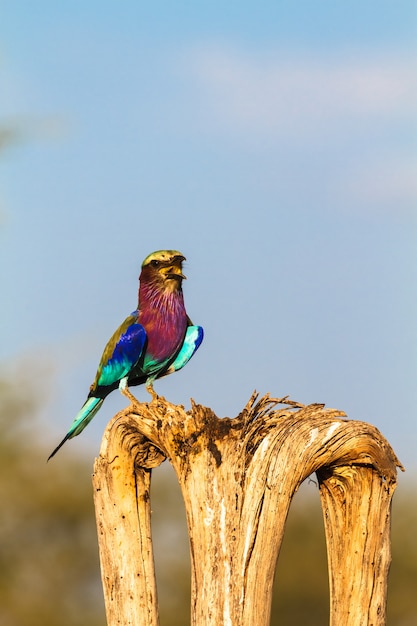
x: 238, y: 477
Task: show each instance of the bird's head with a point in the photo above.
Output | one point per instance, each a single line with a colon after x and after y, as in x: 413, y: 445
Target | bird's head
x: 163, y: 268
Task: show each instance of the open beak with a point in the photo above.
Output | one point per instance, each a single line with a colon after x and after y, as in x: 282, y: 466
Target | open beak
x: 174, y: 271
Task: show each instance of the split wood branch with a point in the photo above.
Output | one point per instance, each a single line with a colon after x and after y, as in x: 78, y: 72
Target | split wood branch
x: 238, y: 477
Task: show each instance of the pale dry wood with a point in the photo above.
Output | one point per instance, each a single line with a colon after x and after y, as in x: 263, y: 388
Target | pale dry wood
x: 356, y: 504
x: 238, y: 477
x: 122, y: 504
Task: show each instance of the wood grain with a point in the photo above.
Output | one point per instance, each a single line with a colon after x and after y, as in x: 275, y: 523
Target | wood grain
x: 238, y: 477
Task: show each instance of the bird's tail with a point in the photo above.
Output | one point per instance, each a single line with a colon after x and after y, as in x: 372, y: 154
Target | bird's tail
x: 82, y: 419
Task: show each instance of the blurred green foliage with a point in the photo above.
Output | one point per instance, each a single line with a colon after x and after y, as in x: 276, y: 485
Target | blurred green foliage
x: 49, y: 567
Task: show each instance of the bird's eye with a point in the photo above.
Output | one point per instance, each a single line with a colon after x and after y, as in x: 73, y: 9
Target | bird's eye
x: 154, y: 263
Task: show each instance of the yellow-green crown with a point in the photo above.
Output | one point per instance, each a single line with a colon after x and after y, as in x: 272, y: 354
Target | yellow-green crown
x: 164, y: 256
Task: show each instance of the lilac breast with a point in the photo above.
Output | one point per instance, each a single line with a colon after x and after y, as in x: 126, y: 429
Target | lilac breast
x: 165, y: 323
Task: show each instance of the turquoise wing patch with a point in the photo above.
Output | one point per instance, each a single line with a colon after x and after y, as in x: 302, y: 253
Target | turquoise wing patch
x: 193, y: 338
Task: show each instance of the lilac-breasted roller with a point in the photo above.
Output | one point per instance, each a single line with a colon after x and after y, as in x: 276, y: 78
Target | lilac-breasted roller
x: 155, y: 340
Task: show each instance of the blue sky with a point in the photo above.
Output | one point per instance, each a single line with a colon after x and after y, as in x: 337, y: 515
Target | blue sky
x: 274, y: 144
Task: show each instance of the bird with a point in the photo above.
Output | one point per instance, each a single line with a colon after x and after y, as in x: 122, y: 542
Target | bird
x: 157, y: 339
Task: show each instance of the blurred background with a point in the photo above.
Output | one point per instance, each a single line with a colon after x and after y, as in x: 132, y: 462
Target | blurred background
x: 275, y: 145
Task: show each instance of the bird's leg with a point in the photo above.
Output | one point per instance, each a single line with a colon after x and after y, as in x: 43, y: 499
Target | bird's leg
x: 150, y: 389
x: 124, y: 389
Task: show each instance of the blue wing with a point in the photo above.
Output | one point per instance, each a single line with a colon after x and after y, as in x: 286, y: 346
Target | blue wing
x: 193, y: 338
x: 121, y: 353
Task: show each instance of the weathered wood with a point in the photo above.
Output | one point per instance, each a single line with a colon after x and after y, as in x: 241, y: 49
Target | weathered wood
x: 357, y: 507
x: 238, y: 477
x: 122, y: 504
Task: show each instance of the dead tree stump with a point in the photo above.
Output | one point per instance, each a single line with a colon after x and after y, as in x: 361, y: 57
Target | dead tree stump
x: 238, y: 477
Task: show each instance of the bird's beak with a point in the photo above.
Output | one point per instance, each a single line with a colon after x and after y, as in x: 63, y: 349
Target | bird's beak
x: 174, y: 271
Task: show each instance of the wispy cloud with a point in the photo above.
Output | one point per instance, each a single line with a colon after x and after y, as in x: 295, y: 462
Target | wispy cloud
x: 346, y: 123
x: 276, y: 93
